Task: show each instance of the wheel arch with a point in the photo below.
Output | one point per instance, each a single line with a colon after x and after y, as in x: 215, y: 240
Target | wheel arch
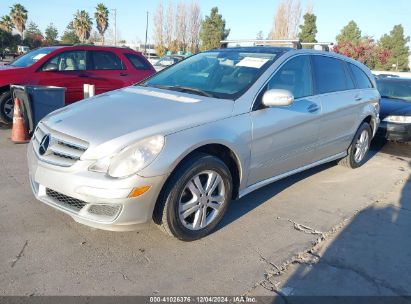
x: 372, y: 121
x: 220, y: 151
x: 4, y: 89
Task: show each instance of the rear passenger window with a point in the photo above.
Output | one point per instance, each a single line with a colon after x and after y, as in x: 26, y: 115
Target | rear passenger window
x: 294, y: 76
x: 137, y: 62
x: 362, y: 80
x: 103, y: 60
x: 331, y: 75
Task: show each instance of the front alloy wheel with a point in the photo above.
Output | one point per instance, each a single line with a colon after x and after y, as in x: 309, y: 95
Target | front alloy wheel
x: 202, y: 198
x: 195, y: 198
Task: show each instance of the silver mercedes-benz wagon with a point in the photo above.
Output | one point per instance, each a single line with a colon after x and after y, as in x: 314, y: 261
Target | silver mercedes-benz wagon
x: 178, y: 147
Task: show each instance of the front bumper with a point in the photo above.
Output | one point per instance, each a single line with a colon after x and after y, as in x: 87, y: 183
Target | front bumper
x: 395, y: 131
x: 91, y: 198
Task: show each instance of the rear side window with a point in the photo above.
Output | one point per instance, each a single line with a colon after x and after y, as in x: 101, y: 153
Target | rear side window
x: 294, y: 76
x: 137, y: 62
x: 362, y: 80
x: 103, y: 60
x: 331, y: 75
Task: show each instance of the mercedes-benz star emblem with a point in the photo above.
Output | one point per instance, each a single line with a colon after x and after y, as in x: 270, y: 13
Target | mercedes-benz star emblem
x: 44, y: 144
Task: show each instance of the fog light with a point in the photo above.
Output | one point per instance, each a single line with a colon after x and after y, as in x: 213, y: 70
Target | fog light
x: 138, y: 191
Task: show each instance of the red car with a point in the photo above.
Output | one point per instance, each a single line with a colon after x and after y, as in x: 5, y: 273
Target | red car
x: 107, y: 68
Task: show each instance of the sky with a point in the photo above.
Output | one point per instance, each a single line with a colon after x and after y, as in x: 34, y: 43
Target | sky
x: 244, y: 18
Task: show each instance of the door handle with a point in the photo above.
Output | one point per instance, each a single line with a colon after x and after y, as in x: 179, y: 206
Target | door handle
x: 123, y: 74
x: 313, y: 108
x: 83, y: 76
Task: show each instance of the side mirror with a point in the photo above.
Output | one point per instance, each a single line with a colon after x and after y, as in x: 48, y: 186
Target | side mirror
x: 277, y: 98
x: 50, y: 67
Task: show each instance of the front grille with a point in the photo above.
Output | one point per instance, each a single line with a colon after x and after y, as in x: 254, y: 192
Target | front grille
x: 66, y: 201
x: 63, y: 150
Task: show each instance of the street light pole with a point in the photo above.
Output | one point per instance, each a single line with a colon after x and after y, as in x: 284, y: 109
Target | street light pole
x: 145, y: 44
x: 115, y: 25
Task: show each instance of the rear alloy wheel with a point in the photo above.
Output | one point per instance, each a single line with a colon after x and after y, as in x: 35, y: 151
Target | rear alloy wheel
x: 6, y: 108
x: 195, y: 198
x: 359, y: 148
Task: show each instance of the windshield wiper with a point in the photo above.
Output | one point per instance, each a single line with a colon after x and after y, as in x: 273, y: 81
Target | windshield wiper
x: 184, y: 89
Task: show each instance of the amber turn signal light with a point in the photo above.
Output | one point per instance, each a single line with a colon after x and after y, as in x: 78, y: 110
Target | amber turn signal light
x: 138, y: 191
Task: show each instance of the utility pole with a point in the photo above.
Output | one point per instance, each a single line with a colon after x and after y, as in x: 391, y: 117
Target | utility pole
x: 115, y: 25
x: 145, y: 44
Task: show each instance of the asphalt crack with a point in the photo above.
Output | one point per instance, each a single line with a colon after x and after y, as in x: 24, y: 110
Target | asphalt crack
x: 310, y: 257
x: 305, y: 229
x: 362, y: 273
x: 264, y: 259
x: 307, y: 256
x: 21, y: 253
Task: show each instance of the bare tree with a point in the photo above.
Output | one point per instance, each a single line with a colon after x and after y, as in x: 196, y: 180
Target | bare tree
x: 181, y: 26
x: 194, y: 25
x: 169, y: 26
x: 177, y: 29
x: 159, y: 29
x: 309, y: 8
x: 286, y: 20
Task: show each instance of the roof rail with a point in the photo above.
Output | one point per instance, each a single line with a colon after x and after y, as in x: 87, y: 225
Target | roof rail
x: 295, y: 43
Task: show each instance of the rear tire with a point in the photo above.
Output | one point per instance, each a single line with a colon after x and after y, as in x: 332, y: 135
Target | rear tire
x: 6, y: 108
x: 359, y: 148
x: 195, y: 198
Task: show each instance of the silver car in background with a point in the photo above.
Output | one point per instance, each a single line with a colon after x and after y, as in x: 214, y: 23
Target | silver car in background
x: 178, y: 147
x: 167, y: 61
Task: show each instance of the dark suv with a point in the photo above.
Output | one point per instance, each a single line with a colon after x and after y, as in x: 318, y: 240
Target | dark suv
x: 107, y: 68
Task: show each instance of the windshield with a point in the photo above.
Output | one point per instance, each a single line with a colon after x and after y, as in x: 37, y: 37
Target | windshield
x: 223, y: 74
x: 31, y: 57
x: 400, y: 89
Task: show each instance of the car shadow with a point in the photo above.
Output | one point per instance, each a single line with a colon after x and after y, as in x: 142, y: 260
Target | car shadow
x: 244, y: 205
x: 369, y: 257
x: 240, y: 207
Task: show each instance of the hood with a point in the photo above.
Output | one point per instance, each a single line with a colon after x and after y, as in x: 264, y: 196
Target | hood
x: 116, y: 119
x: 394, y: 107
x: 5, y: 67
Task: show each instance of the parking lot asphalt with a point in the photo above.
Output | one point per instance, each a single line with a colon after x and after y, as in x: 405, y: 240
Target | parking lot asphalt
x: 329, y: 230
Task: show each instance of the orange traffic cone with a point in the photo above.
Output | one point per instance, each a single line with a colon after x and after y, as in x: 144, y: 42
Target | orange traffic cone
x: 19, y: 133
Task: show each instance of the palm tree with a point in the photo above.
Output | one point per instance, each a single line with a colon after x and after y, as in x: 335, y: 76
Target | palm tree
x: 101, y: 16
x: 82, y: 25
x: 18, y: 16
x: 6, y: 24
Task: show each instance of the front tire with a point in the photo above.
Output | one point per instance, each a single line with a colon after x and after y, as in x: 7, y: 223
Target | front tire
x: 6, y: 108
x: 359, y: 147
x: 195, y: 198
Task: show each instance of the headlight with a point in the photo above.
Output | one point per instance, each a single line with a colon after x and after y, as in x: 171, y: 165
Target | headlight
x: 398, y: 119
x: 132, y: 159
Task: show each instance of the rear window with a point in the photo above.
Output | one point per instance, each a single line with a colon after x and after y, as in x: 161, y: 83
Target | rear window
x: 137, y: 62
x: 362, y: 80
x: 331, y: 75
x: 103, y: 60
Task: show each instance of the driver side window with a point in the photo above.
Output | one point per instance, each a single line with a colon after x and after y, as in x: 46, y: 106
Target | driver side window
x: 295, y: 76
x: 68, y: 61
